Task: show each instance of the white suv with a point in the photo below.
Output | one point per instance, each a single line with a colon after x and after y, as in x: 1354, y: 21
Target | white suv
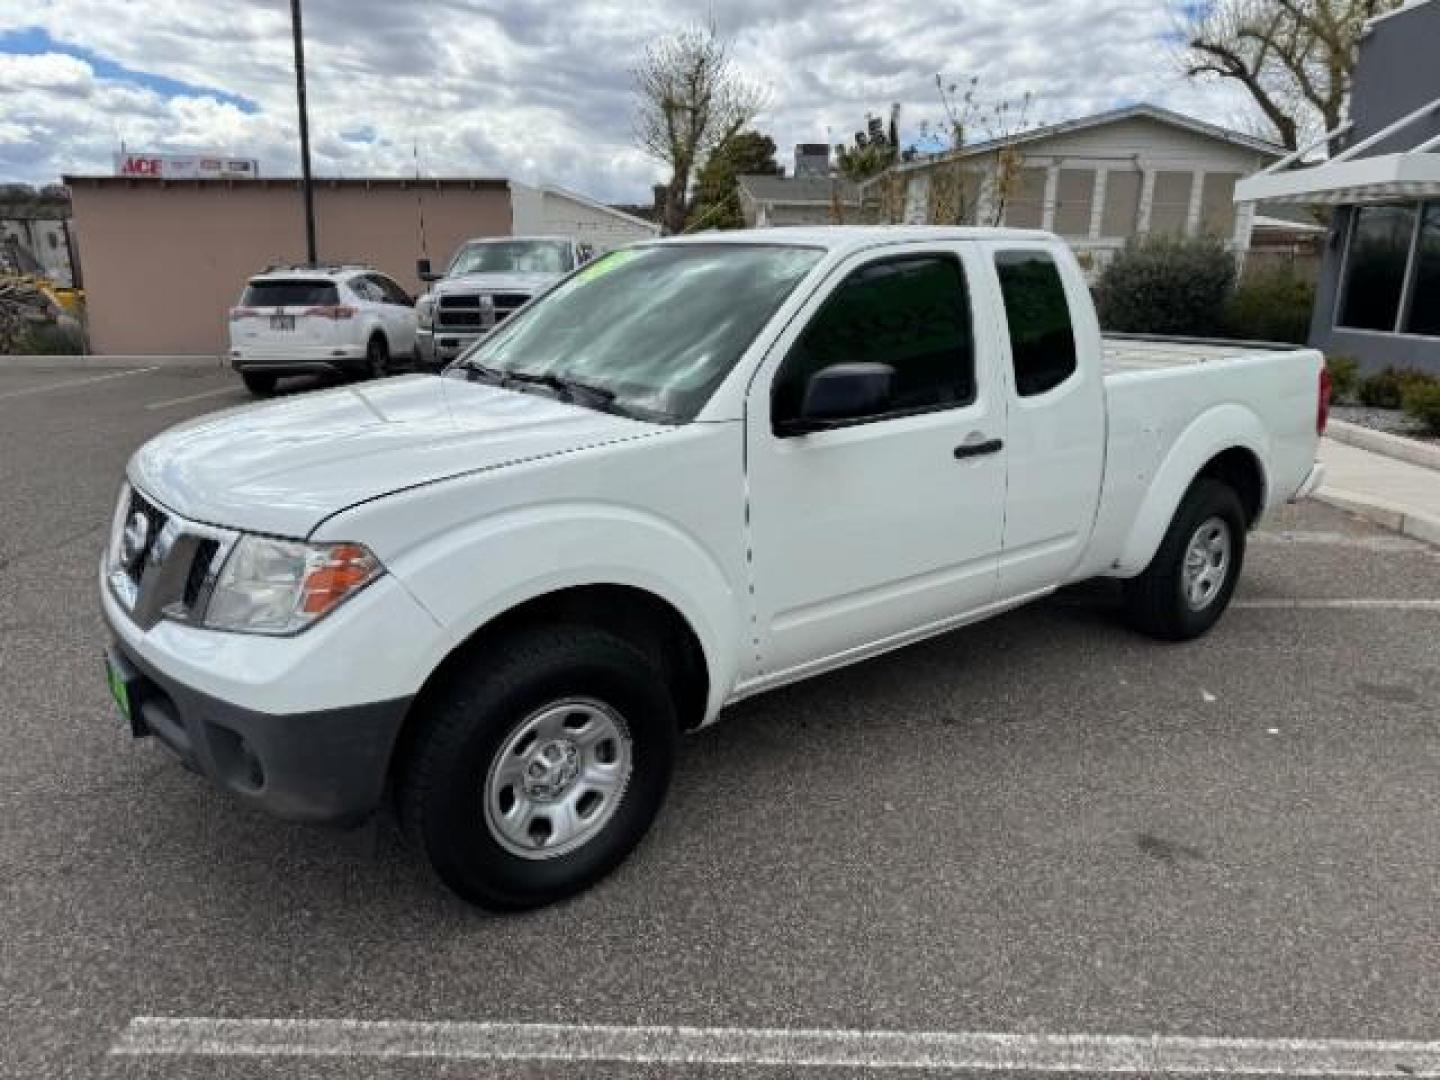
x: 296, y: 320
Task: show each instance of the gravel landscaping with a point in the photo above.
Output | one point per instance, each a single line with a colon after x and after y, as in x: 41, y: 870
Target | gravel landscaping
x: 1390, y: 421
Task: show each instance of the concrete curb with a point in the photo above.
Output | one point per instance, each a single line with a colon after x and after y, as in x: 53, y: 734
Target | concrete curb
x: 1387, y: 515
x: 104, y: 363
x: 1380, y: 442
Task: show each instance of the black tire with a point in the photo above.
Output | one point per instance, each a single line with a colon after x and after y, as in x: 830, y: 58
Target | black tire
x: 377, y: 357
x: 1156, y: 602
x: 468, y: 723
x: 258, y: 383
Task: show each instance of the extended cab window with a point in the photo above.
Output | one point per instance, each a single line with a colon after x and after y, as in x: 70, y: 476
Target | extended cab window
x: 1042, y: 342
x: 911, y: 313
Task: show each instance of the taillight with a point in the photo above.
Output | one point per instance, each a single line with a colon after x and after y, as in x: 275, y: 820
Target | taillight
x: 332, y: 311
x: 1322, y: 415
x: 243, y: 313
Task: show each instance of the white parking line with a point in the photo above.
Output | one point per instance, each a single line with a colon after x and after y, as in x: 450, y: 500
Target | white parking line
x: 75, y: 382
x: 830, y: 1049
x: 191, y: 397
x: 1355, y: 603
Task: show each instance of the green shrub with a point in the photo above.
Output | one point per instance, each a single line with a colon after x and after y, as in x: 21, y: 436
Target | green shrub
x: 1422, y: 401
x: 1386, y: 389
x: 1344, y: 378
x: 1167, y: 285
x: 51, y: 339
x: 1271, y: 305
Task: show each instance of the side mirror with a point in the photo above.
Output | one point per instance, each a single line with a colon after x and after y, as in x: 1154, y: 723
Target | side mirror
x: 839, y: 393
x: 423, y: 271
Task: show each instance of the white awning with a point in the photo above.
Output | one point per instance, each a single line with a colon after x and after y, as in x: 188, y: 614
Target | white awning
x: 1386, y: 178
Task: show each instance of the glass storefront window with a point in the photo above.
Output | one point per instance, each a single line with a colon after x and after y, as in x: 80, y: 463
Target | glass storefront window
x: 1375, y: 266
x: 1424, y: 314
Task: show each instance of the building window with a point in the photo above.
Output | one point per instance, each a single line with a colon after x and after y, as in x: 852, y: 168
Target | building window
x: 1217, y: 205
x: 1074, y: 194
x: 1170, y: 203
x: 1375, y: 266
x: 1025, y: 207
x: 1424, y: 314
x: 1122, y: 204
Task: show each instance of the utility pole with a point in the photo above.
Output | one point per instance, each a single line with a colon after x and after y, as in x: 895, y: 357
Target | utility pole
x: 306, y: 183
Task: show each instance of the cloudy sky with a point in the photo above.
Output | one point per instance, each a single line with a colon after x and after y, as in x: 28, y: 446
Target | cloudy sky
x: 536, y: 89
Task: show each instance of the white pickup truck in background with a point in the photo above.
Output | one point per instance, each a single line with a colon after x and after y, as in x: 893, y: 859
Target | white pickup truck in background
x: 695, y: 470
x: 486, y: 282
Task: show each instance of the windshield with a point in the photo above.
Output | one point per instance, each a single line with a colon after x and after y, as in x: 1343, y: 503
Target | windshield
x: 514, y: 257
x: 654, y: 328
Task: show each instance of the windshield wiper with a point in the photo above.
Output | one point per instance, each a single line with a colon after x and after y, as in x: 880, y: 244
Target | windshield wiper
x: 562, y: 384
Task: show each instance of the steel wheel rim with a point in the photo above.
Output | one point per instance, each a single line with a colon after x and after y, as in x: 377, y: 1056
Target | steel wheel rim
x: 558, y: 778
x: 1207, y: 563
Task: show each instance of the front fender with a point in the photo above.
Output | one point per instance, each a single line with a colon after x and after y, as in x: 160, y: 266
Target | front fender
x: 467, y: 577
x: 1212, y: 432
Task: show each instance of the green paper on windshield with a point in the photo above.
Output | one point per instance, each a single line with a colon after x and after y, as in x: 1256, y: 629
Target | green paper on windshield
x: 603, y: 265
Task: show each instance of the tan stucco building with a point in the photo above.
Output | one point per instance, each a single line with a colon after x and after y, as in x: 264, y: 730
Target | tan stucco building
x: 164, y: 260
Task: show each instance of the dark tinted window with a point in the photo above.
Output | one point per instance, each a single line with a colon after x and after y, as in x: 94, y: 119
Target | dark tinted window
x: 389, y: 291
x: 1424, y: 317
x: 1375, y: 266
x: 912, y: 314
x: 1042, y: 342
x: 275, y: 292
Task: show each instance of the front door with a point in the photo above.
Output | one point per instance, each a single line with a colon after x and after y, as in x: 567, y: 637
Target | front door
x: 891, y: 524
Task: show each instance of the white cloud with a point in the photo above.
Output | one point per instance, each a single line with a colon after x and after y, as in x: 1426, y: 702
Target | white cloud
x: 540, y: 89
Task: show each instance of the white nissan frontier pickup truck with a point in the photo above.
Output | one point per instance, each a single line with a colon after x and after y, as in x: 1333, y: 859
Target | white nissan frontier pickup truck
x: 694, y: 470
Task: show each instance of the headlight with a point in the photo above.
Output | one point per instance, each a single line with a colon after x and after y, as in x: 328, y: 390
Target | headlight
x: 425, y: 310
x: 282, y: 586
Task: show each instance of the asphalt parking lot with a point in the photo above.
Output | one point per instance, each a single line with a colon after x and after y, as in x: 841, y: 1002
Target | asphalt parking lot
x: 1040, y: 825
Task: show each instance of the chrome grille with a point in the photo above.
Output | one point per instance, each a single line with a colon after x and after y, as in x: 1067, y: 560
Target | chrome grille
x: 476, y: 311
x: 160, y: 565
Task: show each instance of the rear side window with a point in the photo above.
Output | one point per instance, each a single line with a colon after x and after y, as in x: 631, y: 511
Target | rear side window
x: 1042, y: 341
x: 274, y: 292
x: 910, y: 313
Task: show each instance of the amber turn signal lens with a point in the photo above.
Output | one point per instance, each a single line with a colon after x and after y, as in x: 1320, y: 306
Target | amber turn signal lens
x: 336, y: 573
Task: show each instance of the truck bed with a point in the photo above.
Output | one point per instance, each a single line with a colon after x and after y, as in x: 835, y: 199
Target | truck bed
x: 1140, y: 352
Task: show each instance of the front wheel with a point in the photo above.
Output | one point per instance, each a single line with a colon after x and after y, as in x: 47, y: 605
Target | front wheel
x: 533, y: 774
x: 1189, y: 582
x: 259, y: 384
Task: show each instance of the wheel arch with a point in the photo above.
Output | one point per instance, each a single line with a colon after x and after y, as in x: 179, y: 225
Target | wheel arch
x: 638, y: 615
x: 1228, y: 443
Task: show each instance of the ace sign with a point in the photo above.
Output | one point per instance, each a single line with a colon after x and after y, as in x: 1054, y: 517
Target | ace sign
x: 185, y: 166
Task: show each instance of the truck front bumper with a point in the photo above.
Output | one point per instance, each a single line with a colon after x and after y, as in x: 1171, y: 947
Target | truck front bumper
x: 438, y: 347
x: 301, y: 727
x: 325, y: 767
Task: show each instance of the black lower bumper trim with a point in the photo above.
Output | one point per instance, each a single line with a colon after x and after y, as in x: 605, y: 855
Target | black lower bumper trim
x: 326, y: 767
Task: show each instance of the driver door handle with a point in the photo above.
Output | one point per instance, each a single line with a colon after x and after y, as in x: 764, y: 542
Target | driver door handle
x: 969, y: 450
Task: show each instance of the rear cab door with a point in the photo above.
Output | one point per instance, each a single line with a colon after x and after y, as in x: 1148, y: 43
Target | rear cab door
x: 876, y: 531
x: 1050, y: 348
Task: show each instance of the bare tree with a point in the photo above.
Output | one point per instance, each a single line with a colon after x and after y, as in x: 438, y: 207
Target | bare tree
x: 690, y: 101
x: 956, y: 184
x: 1294, y: 57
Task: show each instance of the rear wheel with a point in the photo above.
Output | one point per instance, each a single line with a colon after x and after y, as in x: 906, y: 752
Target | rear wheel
x: 377, y: 357
x: 533, y: 774
x: 1189, y: 582
x: 258, y: 383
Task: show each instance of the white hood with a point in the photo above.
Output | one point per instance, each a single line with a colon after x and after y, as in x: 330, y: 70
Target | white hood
x: 531, y: 284
x: 283, y: 467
